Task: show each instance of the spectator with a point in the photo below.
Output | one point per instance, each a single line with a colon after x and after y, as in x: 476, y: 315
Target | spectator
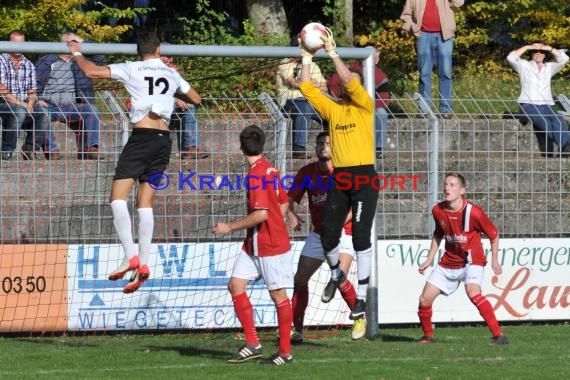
x: 382, y: 99
x: 432, y: 22
x: 536, y: 100
x: 18, y: 103
x: 294, y: 104
x: 71, y: 100
x: 185, y: 124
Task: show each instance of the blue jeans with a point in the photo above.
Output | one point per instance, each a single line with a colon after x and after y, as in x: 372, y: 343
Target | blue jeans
x: 186, y: 127
x: 301, y: 112
x: 15, y: 118
x: 545, y: 117
x: 432, y: 52
x: 82, y: 118
x: 381, y: 126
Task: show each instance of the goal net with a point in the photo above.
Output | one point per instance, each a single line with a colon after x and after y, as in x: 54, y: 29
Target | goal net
x: 59, y: 243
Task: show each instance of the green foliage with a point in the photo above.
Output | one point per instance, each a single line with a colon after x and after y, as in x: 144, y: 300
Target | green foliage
x: 245, y: 76
x: 45, y: 20
x: 486, y: 32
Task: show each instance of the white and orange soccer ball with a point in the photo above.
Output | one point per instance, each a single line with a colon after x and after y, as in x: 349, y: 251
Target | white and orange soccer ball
x: 311, y: 36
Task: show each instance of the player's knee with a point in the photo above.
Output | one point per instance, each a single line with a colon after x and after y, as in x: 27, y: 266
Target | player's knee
x: 234, y: 288
x: 329, y: 242
x: 300, y: 281
x: 361, y: 244
x: 425, y: 301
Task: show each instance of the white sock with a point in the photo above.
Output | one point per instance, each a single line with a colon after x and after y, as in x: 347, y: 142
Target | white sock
x: 146, y: 227
x: 333, y: 261
x: 122, y: 222
x: 363, y: 268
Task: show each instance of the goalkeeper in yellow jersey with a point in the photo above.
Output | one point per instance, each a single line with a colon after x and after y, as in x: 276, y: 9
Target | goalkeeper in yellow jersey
x: 351, y: 127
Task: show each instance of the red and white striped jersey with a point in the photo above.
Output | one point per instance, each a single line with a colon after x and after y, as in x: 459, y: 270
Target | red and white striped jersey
x: 462, y: 233
x: 315, y: 182
x: 265, y: 192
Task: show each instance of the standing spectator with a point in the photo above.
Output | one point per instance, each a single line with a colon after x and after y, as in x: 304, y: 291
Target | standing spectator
x: 294, y: 104
x: 71, y: 100
x: 266, y: 252
x: 148, y: 148
x: 312, y: 255
x: 185, y: 124
x: 432, y: 22
x: 461, y: 223
x: 351, y: 128
x: 536, y: 100
x: 18, y: 103
x: 382, y: 99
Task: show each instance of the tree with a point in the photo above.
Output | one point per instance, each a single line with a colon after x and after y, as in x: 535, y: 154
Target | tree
x: 45, y: 20
x: 267, y: 17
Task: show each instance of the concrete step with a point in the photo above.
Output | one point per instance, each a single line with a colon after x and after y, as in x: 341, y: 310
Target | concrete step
x: 192, y: 217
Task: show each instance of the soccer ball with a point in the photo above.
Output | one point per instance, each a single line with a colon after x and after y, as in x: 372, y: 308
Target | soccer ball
x: 311, y: 36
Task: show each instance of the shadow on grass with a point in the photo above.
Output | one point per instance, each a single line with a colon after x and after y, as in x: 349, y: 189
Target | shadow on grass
x: 194, y: 351
x: 397, y: 338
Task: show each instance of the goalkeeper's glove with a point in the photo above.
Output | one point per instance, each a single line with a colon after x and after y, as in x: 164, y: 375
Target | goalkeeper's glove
x: 306, y: 55
x: 330, y: 45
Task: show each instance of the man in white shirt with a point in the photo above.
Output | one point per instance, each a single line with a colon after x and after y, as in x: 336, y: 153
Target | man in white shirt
x: 152, y: 86
x: 536, y: 95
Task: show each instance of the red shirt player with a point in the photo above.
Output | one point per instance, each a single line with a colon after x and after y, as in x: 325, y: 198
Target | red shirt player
x: 266, y: 251
x: 461, y: 223
x: 313, y: 179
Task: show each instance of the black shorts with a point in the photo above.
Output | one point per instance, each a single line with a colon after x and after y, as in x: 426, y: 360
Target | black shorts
x: 147, y: 151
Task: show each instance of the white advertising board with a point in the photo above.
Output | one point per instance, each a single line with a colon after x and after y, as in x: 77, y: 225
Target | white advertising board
x: 188, y: 287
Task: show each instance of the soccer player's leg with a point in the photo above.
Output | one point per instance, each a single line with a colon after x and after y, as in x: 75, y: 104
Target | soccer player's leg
x: 309, y: 262
x: 346, y: 288
x: 277, y: 271
x: 473, y: 279
x: 122, y: 222
x: 363, y: 205
x: 244, y: 270
x: 159, y: 146
x: 336, y: 210
x: 436, y: 284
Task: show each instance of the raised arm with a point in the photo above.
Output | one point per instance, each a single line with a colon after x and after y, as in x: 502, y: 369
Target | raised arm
x: 90, y: 69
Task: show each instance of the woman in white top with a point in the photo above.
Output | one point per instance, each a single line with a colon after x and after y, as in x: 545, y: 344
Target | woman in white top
x: 536, y: 95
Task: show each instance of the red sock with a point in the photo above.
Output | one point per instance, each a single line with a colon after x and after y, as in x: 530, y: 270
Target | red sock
x: 284, y: 319
x: 300, y: 301
x: 348, y: 294
x: 244, y: 312
x: 425, y: 313
x: 486, y: 311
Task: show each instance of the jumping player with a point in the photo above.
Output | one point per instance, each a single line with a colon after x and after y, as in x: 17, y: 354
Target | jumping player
x: 312, y: 255
x: 351, y: 126
x: 266, y: 251
x: 152, y: 86
x: 461, y: 223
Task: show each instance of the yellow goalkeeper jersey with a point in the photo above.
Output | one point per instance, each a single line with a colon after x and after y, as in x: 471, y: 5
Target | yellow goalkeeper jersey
x: 351, y: 124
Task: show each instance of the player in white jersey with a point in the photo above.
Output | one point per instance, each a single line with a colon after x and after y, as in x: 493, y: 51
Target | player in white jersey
x: 152, y: 86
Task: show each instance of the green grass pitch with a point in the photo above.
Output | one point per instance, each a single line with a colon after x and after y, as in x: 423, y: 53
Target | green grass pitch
x: 534, y: 352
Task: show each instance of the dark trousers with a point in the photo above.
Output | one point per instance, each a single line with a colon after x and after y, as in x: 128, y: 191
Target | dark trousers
x: 348, y: 192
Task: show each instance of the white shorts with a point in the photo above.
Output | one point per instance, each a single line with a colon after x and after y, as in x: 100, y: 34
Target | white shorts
x: 276, y: 271
x: 447, y: 280
x: 314, y: 249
